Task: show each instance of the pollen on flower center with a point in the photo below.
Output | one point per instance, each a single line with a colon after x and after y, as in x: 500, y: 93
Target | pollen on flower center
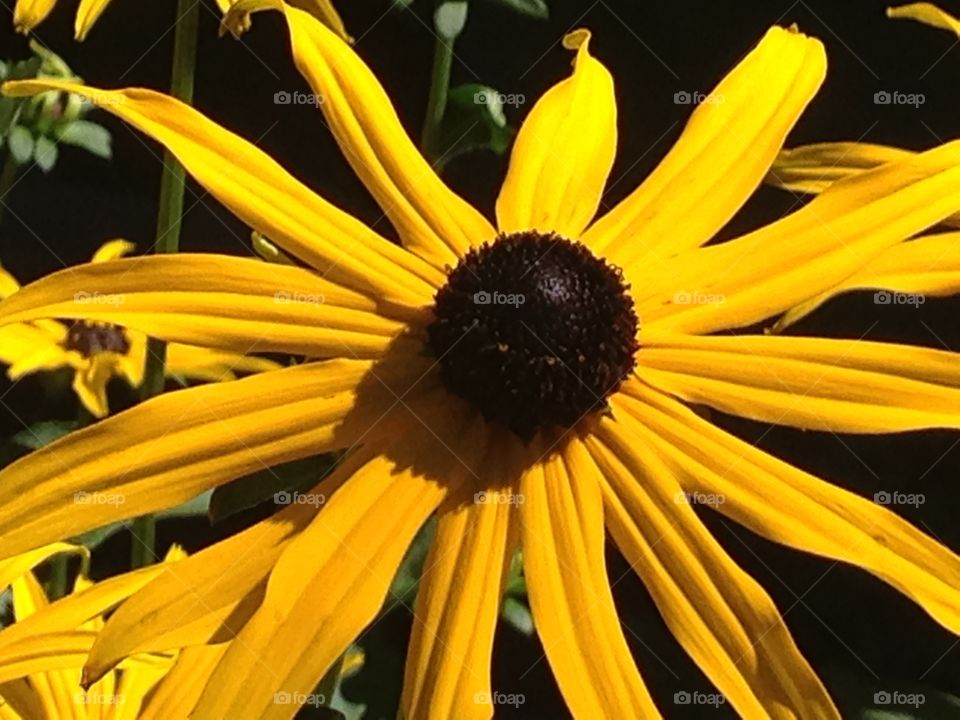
x: 534, y: 331
x: 89, y: 338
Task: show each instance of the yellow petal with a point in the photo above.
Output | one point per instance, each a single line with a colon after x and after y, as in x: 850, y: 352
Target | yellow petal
x: 113, y: 250
x: 789, y: 506
x: 28, y: 348
x: 848, y: 386
x: 814, y: 168
x: 201, y: 363
x: 88, y: 13
x: 563, y: 556
x: 926, y: 13
x: 722, y: 156
x: 735, y: 284
x: 57, y: 683
x: 332, y: 579
x: 44, y: 652
x: 906, y: 274
x: 718, y: 613
x: 432, y: 220
x: 15, y: 565
x: 263, y: 195
x: 27, y: 14
x: 90, y: 382
x: 165, y: 451
x: 80, y: 607
x: 323, y: 10
x: 218, y: 301
x: 136, y: 684
x: 8, y: 284
x: 205, y: 598
x: 448, y: 662
x: 19, y: 701
x: 563, y: 152
x: 180, y: 689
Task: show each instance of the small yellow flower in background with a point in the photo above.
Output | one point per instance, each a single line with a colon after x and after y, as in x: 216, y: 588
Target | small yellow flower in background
x: 529, y: 383
x: 42, y: 652
x: 98, y: 352
x: 27, y: 14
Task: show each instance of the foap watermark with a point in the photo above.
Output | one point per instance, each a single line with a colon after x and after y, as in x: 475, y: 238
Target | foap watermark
x: 896, y: 497
x: 686, y: 97
x: 498, y: 298
x: 698, y: 298
x: 98, y: 298
x: 885, y: 297
x: 283, y: 297
x: 93, y: 697
x: 282, y: 97
x: 495, y: 498
x: 499, y: 698
x: 299, y: 699
x: 492, y: 97
x: 298, y: 498
x: 81, y: 497
x: 895, y: 97
x: 696, y: 697
x: 898, y: 698
x: 698, y: 498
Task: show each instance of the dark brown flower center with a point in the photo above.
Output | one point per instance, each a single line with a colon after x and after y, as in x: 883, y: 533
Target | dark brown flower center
x: 89, y: 338
x: 534, y: 331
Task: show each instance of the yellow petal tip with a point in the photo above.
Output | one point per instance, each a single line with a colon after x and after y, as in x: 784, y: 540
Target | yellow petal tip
x: 577, y: 38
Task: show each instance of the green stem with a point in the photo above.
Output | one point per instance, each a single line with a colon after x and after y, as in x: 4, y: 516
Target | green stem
x: 172, y: 185
x: 7, y: 176
x: 57, y: 584
x: 437, y: 99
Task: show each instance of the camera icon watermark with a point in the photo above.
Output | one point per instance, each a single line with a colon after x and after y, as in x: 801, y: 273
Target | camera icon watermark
x: 898, y: 698
x: 885, y: 297
x: 299, y: 699
x: 298, y: 498
x: 684, y: 697
x: 483, y: 297
x: 896, y: 497
x: 81, y: 497
x: 895, y: 97
x: 493, y: 498
x: 282, y: 97
x: 695, y: 97
x: 284, y: 297
x: 683, y: 297
x: 82, y: 297
x: 699, y: 498
x: 491, y: 97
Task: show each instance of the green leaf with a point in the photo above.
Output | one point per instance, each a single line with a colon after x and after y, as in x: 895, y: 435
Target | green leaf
x: 517, y: 615
x: 450, y: 17
x: 20, y: 142
x: 45, y: 153
x: 43, y: 433
x: 93, y: 138
x: 251, y: 490
x: 531, y: 8
x: 474, y: 120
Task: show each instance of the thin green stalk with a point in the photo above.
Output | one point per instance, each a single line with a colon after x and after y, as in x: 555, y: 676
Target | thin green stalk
x: 328, y: 685
x: 437, y: 99
x: 172, y: 185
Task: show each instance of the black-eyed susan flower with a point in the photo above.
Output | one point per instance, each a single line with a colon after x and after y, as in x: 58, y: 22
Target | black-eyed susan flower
x: 527, y: 382
x: 27, y: 14
x: 98, y: 351
x: 42, y: 652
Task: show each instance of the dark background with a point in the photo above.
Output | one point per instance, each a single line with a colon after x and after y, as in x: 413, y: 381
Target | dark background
x: 861, y: 635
